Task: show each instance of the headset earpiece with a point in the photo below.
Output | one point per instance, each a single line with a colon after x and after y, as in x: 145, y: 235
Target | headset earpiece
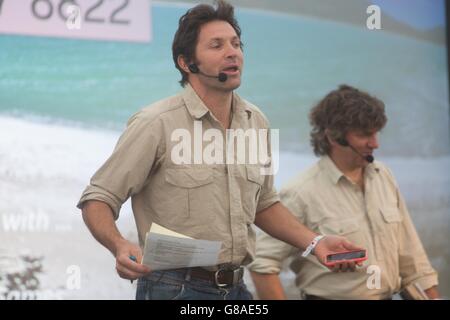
x: 193, y: 68
x: 343, y: 142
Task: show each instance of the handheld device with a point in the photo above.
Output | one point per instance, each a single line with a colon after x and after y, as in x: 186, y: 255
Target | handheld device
x: 347, y: 256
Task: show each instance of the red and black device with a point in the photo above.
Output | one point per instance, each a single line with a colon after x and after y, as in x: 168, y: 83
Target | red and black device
x: 346, y: 256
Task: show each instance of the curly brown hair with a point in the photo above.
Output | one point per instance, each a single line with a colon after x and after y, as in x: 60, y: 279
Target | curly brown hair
x: 186, y: 37
x: 343, y: 110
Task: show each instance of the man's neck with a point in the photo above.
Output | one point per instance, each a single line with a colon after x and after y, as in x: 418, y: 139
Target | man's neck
x: 218, y: 102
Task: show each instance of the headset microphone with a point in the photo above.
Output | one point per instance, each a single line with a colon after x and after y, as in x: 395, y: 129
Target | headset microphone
x: 343, y: 142
x: 222, y: 77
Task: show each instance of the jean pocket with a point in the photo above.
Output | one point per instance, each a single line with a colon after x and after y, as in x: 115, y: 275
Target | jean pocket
x: 244, y: 293
x: 160, y: 290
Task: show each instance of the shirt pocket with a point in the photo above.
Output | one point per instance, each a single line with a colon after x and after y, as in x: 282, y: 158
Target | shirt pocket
x: 339, y: 227
x: 348, y: 228
x: 391, y: 214
x: 192, y: 192
x: 251, y: 191
x: 389, y: 228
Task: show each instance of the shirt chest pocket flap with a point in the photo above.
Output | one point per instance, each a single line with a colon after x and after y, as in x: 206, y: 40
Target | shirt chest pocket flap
x: 339, y: 227
x: 190, y: 177
x: 390, y: 214
x: 254, y: 174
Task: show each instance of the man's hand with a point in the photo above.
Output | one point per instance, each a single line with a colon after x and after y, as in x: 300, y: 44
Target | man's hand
x: 335, y: 244
x: 99, y: 218
x: 127, y: 268
x: 433, y: 293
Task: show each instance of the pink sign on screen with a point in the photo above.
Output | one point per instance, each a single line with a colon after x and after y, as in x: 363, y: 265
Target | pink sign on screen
x: 115, y: 20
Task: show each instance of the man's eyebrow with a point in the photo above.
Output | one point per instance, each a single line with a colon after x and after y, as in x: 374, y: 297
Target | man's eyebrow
x: 222, y: 39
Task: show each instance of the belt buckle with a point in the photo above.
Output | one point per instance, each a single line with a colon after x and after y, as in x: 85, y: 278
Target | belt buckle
x: 236, y: 275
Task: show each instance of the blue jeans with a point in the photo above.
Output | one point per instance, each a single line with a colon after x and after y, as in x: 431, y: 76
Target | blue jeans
x: 177, y: 285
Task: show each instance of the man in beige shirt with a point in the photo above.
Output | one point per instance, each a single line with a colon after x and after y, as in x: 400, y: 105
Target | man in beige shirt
x: 171, y: 162
x: 349, y: 194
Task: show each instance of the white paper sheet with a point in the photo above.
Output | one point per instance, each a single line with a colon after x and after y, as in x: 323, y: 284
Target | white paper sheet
x: 165, y: 249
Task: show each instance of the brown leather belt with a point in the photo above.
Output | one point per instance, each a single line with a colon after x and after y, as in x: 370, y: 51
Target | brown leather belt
x: 221, y: 277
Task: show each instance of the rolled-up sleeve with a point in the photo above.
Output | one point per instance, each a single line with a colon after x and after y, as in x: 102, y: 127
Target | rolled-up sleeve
x: 269, y: 196
x: 128, y: 168
x: 413, y: 260
x: 271, y: 252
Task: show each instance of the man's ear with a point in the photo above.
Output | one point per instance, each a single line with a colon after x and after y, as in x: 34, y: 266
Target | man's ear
x: 335, y: 142
x: 327, y: 135
x: 182, y: 63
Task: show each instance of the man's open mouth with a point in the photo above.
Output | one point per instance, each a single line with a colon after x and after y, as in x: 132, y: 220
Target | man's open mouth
x: 231, y: 69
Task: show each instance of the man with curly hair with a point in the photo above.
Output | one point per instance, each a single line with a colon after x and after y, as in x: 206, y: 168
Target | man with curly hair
x: 349, y: 194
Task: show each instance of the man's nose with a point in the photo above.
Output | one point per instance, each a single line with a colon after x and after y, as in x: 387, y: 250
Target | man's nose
x: 232, y: 51
x: 373, y: 141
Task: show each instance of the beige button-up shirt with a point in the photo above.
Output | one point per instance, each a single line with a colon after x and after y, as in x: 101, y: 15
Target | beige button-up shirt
x: 378, y: 220
x: 205, y: 201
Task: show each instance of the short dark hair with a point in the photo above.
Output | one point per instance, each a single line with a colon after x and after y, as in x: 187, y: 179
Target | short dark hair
x: 186, y: 37
x: 341, y: 111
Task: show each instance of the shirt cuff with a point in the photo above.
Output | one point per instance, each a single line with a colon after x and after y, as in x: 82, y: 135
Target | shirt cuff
x: 99, y: 194
x: 267, y: 200
x: 265, y: 266
x: 427, y: 282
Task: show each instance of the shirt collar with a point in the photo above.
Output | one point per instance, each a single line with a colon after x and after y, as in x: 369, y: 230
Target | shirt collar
x: 194, y: 104
x: 241, y: 108
x: 198, y: 109
x: 330, y: 169
x: 371, y: 170
x: 335, y: 174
